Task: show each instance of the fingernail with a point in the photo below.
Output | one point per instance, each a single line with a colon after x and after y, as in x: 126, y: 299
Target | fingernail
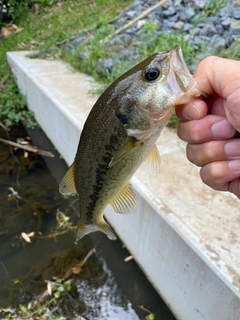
x: 234, y: 165
x: 223, y: 129
x: 191, y: 112
x: 232, y: 148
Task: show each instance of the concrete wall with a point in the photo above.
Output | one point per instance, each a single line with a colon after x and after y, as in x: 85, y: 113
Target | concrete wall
x: 184, y: 236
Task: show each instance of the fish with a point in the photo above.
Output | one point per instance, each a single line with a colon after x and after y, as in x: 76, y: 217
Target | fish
x: 120, y: 133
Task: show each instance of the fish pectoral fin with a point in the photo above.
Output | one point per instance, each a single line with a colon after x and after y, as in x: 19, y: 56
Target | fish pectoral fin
x: 102, y: 226
x: 131, y: 144
x: 67, y: 185
x: 125, y: 201
x: 153, y: 161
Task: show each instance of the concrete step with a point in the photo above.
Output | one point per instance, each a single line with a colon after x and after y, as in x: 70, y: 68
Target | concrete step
x: 185, y: 236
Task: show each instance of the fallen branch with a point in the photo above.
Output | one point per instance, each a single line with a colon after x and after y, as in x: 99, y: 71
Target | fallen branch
x: 28, y: 148
x: 4, y: 127
x: 78, y: 267
x: 125, y: 27
x: 130, y: 23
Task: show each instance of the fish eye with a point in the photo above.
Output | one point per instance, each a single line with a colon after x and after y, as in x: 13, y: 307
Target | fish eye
x: 151, y: 73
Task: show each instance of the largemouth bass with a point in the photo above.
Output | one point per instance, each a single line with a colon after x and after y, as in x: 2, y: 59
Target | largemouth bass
x: 120, y: 133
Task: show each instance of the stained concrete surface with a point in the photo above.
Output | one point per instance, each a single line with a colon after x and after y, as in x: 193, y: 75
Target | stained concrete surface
x: 208, y: 221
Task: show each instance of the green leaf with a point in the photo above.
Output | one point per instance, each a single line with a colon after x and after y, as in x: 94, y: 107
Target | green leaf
x: 57, y: 294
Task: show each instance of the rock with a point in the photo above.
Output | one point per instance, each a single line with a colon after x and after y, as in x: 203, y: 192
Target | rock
x: 167, y: 24
x: 235, y: 27
x: 208, y: 30
x: 182, y: 16
x: 187, y: 26
x: 209, y: 52
x: 179, y: 8
x: 132, y: 31
x: 212, y: 19
x: 187, y: 37
x: 217, y: 41
x: 236, y: 14
x: 105, y: 64
x: 140, y: 23
x: 219, y: 28
x: 196, y: 31
x: 169, y: 12
x: 126, y: 53
x: 201, y: 24
x: 167, y: 4
x: 228, y: 37
x: 136, y: 5
x: 121, y: 39
x: 159, y: 11
x: 151, y: 2
x: 197, y: 40
x: 131, y: 14
x: 173, y: 18
x: 177, y: 2
x: 199, y: 4
x: 178, y: 25
x: 78, y: 39
x: 190, y: 12
x: 227, y: 11
x: 226, y: 23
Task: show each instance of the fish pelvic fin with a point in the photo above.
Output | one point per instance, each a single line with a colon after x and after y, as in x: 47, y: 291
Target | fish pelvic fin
x: 67, y: 185
x: 125, y: 201
x: 153, y: 161
x: 102, y: 226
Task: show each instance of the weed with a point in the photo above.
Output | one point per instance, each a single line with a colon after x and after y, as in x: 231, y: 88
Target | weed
x: 213, y: 7
x: 45, y: 23
x: 13, y: 107
x: 41, y: 307
x: 49, y: 23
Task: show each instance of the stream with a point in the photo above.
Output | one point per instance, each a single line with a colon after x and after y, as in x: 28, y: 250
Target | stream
x: 44, y: 273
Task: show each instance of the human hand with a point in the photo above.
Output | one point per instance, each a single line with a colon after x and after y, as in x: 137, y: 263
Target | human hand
x: 210, y: 125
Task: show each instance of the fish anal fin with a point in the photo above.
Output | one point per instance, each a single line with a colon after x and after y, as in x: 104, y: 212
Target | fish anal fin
x: 131, y: 144
x: 67, y: 185
x: 125, y: 201
x: 102, y: 226
x: 153, y: 161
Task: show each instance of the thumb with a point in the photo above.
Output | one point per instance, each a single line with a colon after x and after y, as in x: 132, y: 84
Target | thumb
x: 218, y: 75
x: 221, y: 76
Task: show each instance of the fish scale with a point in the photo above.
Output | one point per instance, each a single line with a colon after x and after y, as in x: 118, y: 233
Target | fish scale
x: 120, y: 133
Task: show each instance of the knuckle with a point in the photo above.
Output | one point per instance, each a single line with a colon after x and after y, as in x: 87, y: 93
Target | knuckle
x: 195, y: 132
x: 209, y: 62
x: 192, y: 154
x: 201, y: 154
x: 212, y: 174
x: 209, y: 151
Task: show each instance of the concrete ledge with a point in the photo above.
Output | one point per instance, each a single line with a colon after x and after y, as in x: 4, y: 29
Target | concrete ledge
x: 184, y: 235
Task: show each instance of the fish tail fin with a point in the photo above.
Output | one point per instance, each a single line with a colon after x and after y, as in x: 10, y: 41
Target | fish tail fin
x: 103, y: 226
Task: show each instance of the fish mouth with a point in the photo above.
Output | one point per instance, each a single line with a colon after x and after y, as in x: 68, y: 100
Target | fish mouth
x: 179, y: 78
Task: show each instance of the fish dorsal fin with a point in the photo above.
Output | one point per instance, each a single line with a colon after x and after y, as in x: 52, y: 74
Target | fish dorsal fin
x: 67, y: 185
x: 131, y: 144
x: 125, y: 201
x: 153, y: 161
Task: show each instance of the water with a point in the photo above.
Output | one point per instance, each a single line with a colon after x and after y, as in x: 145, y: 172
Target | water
x: 106, y: 287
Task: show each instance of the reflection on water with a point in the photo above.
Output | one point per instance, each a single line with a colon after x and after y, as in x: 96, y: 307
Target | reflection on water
x: 105, y: 288
x: 103, y: 298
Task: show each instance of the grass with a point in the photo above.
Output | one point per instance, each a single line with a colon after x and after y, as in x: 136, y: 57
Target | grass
x: 47, y: 23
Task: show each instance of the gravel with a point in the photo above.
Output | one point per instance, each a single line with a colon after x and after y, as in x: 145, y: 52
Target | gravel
x: 183, y: 16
